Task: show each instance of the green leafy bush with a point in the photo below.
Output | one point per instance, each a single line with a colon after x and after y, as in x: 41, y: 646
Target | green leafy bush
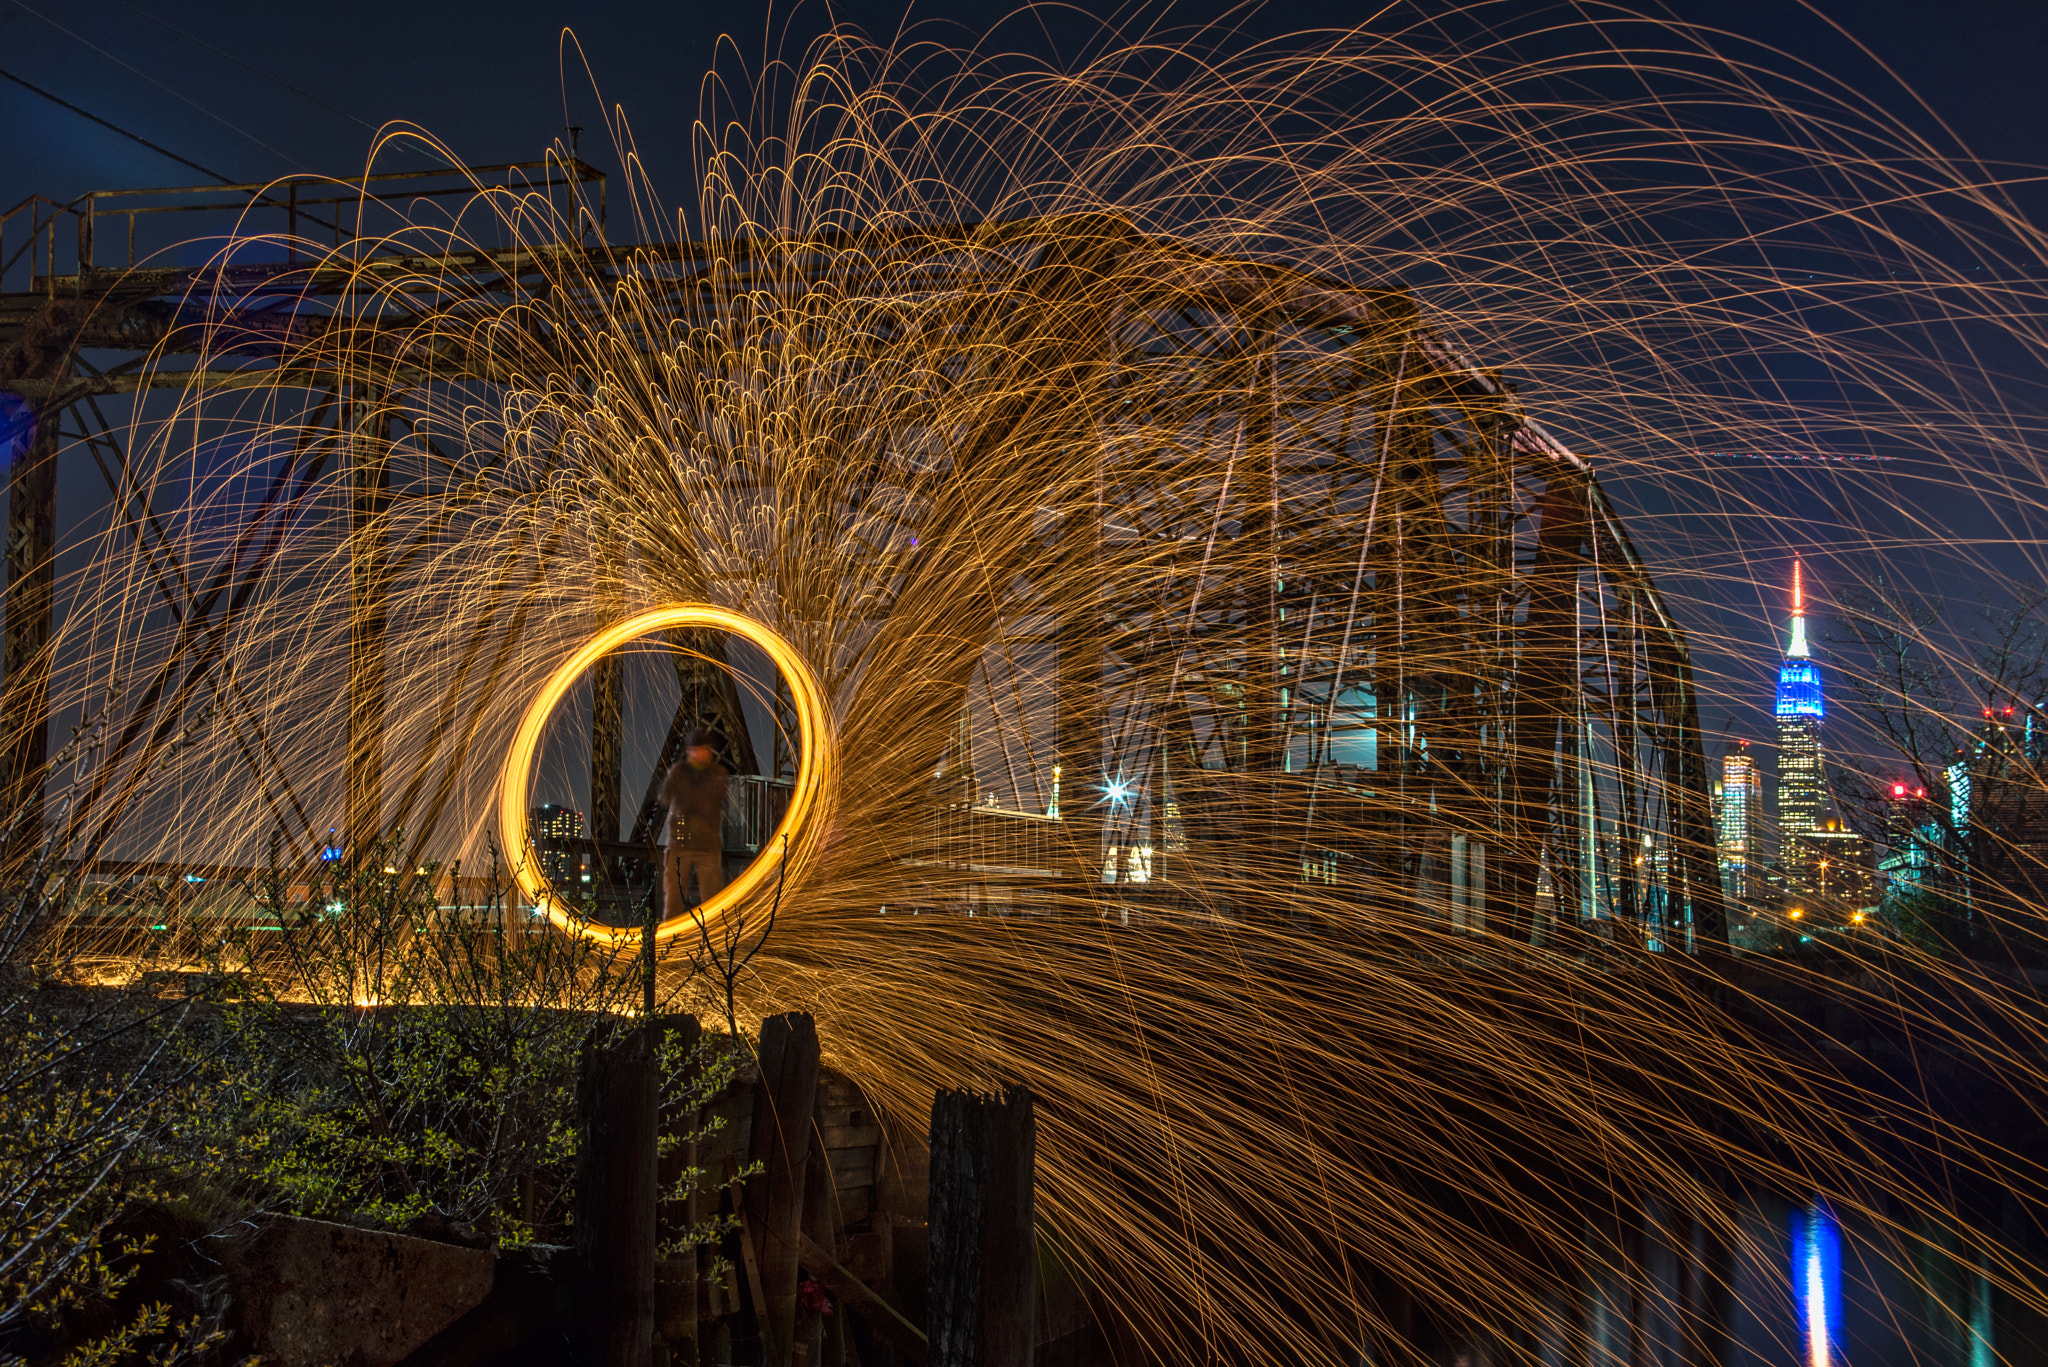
x: 400, y: 1058
x: 397, y: 1060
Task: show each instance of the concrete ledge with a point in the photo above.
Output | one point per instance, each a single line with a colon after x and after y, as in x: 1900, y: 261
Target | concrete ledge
x: 311, y: 1294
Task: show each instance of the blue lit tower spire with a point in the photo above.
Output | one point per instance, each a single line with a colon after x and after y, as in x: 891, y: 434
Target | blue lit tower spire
x: 1802, y: 791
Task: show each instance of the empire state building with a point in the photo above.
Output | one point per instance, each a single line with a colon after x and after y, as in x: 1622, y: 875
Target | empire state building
x: 1802, y: 787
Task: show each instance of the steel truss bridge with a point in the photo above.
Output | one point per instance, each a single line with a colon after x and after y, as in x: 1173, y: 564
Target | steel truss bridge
x: 1435, y: 648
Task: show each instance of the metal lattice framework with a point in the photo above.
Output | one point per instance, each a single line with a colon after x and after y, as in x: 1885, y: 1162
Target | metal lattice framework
x: 1390, y: 635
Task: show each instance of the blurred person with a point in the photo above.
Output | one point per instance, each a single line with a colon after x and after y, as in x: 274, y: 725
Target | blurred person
x: 694, y: 793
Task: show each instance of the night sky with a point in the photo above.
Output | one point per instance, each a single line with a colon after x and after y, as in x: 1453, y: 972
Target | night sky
x: 254, y: 91
x: 487, y: 77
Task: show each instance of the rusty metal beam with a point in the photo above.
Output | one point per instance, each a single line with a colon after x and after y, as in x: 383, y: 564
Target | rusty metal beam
x: 42, y: 354
x: 369, y: 471
x: 29, y: 606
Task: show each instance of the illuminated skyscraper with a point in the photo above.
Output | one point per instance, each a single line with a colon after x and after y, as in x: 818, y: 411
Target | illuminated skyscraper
x: 1736, y: 834
x: 1996, y: 846
x: 1911, y: 838
x: 1802, y: 786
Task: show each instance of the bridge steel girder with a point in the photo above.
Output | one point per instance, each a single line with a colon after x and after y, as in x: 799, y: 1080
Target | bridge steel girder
x: 1486, y: 571
x: 42, y: 354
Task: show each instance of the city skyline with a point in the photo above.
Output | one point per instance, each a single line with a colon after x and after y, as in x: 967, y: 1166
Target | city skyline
x: 1803, y: 865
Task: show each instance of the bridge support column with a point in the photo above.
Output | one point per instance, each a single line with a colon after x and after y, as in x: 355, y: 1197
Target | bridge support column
x: 1265, y: 792
x: 30, y: 612
x: 1078, y: 703
x: 1543, y: 694
x: 42, y: 354
x: 607, y: 744
x: 368, y: 618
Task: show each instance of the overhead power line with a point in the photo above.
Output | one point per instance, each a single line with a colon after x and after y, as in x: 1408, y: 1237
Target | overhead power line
x: 115, y: 127
x: 78, y: 37
x: 137, y: 138
x: 222, y: 52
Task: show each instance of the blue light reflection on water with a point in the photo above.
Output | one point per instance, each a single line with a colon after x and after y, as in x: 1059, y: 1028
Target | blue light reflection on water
x: 1817, y: 1284
x: 1981, y: 1353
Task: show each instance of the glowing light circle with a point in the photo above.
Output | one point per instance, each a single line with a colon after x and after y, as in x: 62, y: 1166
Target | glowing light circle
x: 814, y: 731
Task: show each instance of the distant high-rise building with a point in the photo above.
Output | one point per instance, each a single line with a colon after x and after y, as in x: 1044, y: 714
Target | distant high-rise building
x: 1735, y: 833
x: 1998, y: 818
x: 1802, y: 783
x: 551, y: 822
x: 1836, y: 885
x: 1959, y: 785
x: 1910, y: 838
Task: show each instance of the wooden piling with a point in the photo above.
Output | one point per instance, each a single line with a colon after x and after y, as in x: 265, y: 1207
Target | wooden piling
x: 984, y: 1258
x: 784, y: 1101
x: 616, y: 1107
x: 814, y: 1330
x: 677, y: 1292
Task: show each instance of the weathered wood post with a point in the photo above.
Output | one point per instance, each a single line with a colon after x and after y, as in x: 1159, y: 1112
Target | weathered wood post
x: 676, y: 1292
x: 813, y: 1330
x: 984, y: 1268
x: 784, y: 1100
x: 616, y: 1109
